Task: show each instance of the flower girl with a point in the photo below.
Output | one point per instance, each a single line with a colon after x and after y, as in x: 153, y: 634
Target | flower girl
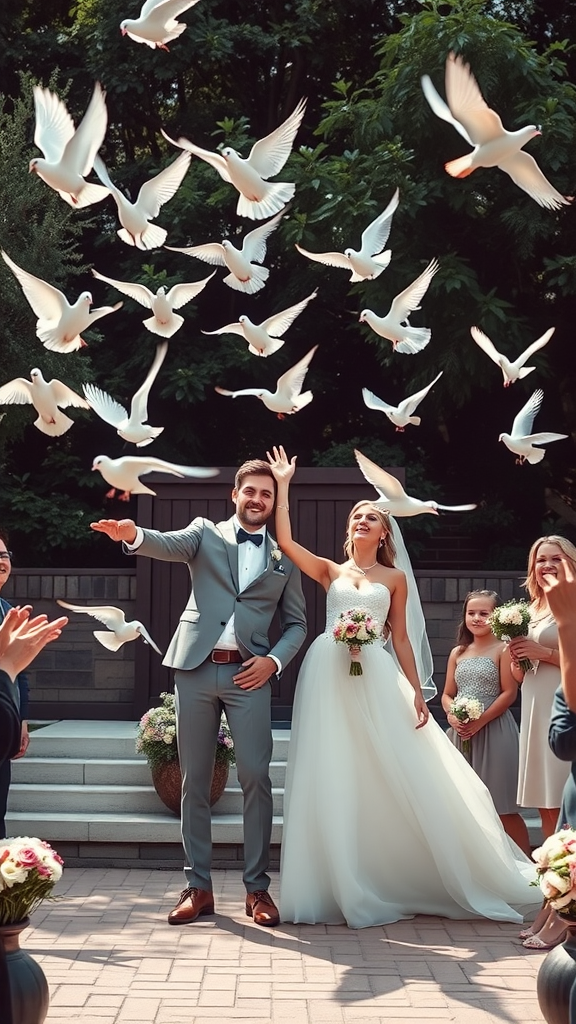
x: 479, y: 671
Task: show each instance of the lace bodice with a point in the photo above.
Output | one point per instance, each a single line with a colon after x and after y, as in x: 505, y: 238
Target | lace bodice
x: 343, y: 596
x: 478, y: 677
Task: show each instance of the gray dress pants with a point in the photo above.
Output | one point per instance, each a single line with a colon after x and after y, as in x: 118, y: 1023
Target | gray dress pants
x: 200, y: 695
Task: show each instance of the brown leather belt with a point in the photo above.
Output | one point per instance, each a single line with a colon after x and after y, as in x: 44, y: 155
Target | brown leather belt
x: 222, y: 657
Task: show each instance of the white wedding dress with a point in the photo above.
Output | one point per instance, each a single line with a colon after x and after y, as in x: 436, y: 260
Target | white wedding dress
x: 383, y: 821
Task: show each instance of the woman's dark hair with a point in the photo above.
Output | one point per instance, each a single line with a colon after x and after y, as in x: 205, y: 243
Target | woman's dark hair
x: 464, y: 637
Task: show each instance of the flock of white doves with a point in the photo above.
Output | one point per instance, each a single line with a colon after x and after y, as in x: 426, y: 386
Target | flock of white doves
x: 70, y: 154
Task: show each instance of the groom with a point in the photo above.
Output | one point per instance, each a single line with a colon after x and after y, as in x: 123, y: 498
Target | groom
x: 222, y: 656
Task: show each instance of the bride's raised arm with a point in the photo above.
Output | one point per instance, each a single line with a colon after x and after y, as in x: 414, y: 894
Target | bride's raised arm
x: 323, y: 570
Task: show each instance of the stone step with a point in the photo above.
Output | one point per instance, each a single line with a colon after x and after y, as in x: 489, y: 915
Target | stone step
x: 76, y: 771
x: 115, y: 799
x: 158, y: 828
x: 115, y: 740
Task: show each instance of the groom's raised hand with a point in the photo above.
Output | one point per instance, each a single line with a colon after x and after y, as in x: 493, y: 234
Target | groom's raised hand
x: 116, y: 529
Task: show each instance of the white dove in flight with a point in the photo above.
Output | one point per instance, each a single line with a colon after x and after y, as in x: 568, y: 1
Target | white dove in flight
x: 521, y: 440
x: 400, y: 415
x: 392, y: 497
x: 245, y: 275
x: 258, y: 197
x: 45, y: 396
x: 395, y: 326
x: 369, y: 261
x: 264, y: 339
x: 511, y: 370
x: 482, y: 128
x: 156, y: 24
x: 119, y: 631
x: 68, y: 153
x: 164, y: 321
x: 135, y: 217
x: 131, y: 427
x: 124, y: 474
x: 287, y: 398
x: 59, y: 323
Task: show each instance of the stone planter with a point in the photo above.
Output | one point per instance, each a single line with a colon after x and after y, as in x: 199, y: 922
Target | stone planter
x: 555, y: 980
x: 27, y: 982
x: 167, y: 779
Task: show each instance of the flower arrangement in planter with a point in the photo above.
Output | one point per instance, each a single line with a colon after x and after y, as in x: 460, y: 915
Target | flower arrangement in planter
x: 556, y: 868
x: 29, y: 870
x: 156, y: 739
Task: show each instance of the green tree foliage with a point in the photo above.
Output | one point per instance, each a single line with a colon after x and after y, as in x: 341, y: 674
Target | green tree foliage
x: 506, y: 264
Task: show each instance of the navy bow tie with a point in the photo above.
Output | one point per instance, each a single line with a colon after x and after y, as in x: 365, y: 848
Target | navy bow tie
x: 242, y: 535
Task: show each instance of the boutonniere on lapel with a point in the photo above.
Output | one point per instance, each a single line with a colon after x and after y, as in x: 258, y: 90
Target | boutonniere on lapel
x: 276, y: 556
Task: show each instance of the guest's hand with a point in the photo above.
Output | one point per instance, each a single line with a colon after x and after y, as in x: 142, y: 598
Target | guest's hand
x: 27, y: 639
x: 469, y: 729
x: 116, y: 529
x: 521, y: 647
x: 283, y: 469
x: 255, y: 673
x: 24, y: 741
x: 422, y: 710
x: 560, y: 590
x: 455, y: 723
x: 14, y: 618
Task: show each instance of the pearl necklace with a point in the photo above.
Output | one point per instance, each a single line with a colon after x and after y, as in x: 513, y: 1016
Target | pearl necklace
x: 367, y: 569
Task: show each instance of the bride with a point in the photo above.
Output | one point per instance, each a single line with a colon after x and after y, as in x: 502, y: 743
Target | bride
x: 383, y: 817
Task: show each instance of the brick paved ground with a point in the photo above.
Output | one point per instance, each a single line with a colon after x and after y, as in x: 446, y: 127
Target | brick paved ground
x: 110, y: 958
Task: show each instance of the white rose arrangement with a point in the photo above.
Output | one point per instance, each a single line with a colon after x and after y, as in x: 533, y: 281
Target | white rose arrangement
x: 466, y: 709
x: 556, y: 868
x: 29, y: 870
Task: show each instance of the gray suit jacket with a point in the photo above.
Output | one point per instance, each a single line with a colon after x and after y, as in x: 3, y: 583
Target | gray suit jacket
x: 211, y: 553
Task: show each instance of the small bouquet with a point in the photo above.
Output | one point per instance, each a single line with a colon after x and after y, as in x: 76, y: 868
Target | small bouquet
x: 355, y: 628
x: 556, y: 868
x: 29, y: 870
x: 466, y: 709
x: 510, y: 620
x: 156, y: 736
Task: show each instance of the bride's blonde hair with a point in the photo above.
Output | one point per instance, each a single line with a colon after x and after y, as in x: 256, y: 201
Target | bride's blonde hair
x: 386, y: 553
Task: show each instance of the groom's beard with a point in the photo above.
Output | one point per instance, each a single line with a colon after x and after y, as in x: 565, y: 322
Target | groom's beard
x: 252, y: 517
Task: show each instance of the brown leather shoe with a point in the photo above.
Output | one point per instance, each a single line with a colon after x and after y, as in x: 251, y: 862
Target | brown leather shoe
x: 193, y: 903
x: 261, y: 908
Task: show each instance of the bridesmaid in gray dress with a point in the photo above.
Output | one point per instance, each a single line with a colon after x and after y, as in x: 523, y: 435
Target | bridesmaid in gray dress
x: 479, y: 666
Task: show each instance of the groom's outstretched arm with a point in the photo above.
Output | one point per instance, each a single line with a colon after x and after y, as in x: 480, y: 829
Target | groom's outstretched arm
x: 172, y: 546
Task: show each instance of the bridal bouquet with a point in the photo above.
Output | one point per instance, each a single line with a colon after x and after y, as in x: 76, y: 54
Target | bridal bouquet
x: 355, y: 628
x: 466, y: 709
x: 556, y: 868
x: 510, y: 620
x: 29, y: 869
